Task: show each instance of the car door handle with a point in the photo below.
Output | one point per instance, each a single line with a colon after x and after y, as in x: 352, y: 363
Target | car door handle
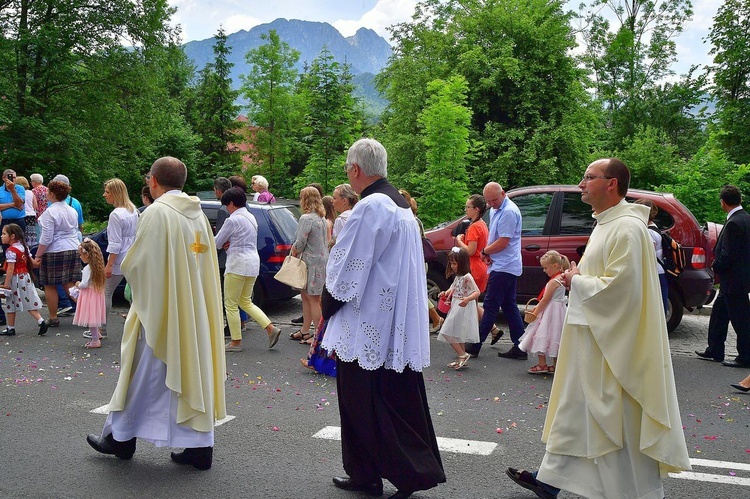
x: 532, y: 247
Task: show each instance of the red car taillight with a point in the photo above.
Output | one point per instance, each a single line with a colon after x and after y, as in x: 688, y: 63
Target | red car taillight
x: 698, y: 261
x: 279, y: 253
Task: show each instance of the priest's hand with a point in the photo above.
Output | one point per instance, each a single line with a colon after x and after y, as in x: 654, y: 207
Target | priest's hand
x: 568, y: 275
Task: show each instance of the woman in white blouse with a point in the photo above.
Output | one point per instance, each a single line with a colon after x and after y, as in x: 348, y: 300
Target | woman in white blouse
x: 239, y: 236
x: 120, y: 236
x: 344, y: 199
x: 57, y: 253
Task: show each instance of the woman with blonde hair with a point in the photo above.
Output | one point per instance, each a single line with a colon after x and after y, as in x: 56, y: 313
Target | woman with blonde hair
x: 311, y: 245
x: 330, y: 217
x: 121, y: 235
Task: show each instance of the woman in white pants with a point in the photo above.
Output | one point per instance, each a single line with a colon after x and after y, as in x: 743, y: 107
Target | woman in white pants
x: 120, y: 234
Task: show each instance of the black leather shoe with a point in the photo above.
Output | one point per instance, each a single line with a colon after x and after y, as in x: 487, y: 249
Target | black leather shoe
x: 108, y: 445
x: 734, y: 363
x: 298, y: 320
x: 346, y: 483
x: 740, y: 388
x: 8, y: 332
x: 514, y: 353
x: 707, y: 356
x: 400, y: 495
x: 199, y: 457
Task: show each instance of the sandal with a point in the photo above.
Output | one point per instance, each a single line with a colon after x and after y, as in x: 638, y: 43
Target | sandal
x: 537, y: 369
x: 462, y: 361
x: 93, y: 344
x: 454, y: 363
x: 306, y: 339
x: 306, y: 363
x: 297, y: 335
x: 527, y: 481
x: 497, y: 333
x: 436, y: 329
x: 551, y: 369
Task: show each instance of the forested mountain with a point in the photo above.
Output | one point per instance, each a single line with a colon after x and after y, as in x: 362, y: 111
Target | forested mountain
x: 366, y: 51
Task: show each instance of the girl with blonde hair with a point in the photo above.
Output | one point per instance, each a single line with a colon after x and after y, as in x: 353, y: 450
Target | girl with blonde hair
x: 542, y: 336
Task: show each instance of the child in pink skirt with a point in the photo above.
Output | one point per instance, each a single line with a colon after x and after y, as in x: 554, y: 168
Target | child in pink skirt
x: 542, y: 336
x: 91, y: 311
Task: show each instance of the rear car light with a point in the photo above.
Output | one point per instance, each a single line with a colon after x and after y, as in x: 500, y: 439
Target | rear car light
x: 698, y: 260
x: 280, y: 252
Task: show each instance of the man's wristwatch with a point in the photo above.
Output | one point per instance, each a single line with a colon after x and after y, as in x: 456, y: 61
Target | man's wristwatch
x: 483, y: 252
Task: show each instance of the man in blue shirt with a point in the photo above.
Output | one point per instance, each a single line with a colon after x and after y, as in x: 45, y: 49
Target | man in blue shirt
x: 503, y: 257
x: 12, y: 197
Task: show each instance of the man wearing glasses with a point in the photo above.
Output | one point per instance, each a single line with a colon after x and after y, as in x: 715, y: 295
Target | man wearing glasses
x: 613, y: 425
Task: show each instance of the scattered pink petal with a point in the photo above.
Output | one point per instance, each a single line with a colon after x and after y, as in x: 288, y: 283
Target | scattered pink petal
x: 275, y: 428
x: 499, y: 431
x: 732, y: 473
x: 710, y: 437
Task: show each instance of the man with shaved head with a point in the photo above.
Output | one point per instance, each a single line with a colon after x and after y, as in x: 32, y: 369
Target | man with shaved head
x: 171, y: 385
x: 503, y: 258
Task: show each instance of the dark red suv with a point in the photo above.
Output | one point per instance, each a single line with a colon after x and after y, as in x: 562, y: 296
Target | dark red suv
x: 554, y: 217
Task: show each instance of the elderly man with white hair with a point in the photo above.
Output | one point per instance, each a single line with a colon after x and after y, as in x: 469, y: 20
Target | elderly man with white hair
x: 375, y: 306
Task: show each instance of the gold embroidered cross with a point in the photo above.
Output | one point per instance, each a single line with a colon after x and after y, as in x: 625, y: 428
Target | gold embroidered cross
x: 197, y: 246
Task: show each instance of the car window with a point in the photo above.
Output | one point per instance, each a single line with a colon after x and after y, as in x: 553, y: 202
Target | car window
x: 576, y: 216
x: 285, y: 223
x: 663, y: 219
x: 534, y: 208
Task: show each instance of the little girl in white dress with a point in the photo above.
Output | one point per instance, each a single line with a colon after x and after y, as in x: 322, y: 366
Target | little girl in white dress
x: 461, y: 324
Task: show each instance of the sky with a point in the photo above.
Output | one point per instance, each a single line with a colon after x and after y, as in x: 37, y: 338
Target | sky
x: 200, y: 19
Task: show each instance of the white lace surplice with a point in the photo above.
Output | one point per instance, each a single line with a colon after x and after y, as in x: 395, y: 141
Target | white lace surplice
x: 377, y: 269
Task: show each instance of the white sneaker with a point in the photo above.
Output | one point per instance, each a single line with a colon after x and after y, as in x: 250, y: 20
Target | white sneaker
x: 102, y: 334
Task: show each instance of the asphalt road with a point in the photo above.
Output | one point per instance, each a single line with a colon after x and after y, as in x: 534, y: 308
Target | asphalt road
x: 51, y: 384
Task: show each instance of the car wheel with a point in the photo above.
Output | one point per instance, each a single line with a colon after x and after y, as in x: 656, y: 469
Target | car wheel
x: 674, y: 313
x: 436, y: 282
x: 259, y: 295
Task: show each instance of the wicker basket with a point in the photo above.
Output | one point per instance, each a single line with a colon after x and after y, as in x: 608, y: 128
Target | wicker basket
x: 528, y: 316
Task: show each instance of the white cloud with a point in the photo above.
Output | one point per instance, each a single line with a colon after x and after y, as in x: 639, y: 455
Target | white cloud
x: 233, y: 24
x: 385, y: 13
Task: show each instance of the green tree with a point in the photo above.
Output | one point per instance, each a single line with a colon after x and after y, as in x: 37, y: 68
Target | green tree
x: 332, y: 120
x: 698, y: 183
x: 79, y: 102
x: 214, y: 115
x: 629, y: 47
x: 730, y: 36
x: 272, y: 107
x: 530, y: 117
x: 445, y: 126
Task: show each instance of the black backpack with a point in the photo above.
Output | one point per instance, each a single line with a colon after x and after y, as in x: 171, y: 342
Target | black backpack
x: 673, y: 256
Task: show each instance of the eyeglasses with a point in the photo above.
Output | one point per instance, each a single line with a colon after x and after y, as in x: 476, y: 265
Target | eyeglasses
x: 589, y: 178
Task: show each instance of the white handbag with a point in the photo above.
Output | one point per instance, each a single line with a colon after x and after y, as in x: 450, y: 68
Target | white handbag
x: 293, y: 272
